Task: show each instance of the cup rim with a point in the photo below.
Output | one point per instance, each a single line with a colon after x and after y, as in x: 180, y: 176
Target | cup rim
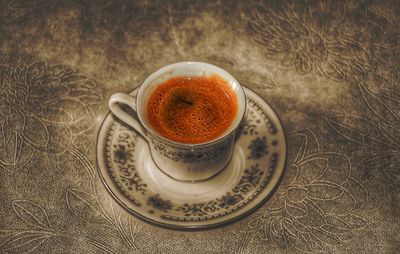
x: 149, y: 129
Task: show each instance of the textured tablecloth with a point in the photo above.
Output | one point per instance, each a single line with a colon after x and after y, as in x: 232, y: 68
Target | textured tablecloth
x: 329, y: 68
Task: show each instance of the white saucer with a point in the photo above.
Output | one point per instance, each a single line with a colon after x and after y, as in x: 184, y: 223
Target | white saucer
x: 256, y: 167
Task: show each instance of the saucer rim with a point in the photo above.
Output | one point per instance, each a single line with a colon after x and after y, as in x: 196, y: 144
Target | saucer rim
x: 191, y: 227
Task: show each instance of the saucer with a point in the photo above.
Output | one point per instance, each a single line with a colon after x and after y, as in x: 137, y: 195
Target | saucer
x: 257, y: 165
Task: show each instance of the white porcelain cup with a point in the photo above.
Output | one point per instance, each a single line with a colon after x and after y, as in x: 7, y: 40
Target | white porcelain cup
x: 181, y: 161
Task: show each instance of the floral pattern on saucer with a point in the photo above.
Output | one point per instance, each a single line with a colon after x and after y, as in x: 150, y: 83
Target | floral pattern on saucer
x: 255, y: 169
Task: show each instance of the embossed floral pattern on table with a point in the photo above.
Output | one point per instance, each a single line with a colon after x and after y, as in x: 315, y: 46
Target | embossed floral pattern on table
x: 329, y: 38
x: 318, y: 206
x: 38, y: 229
x: 354, y: 45
x: 379, y: 135
x: 42, y: 106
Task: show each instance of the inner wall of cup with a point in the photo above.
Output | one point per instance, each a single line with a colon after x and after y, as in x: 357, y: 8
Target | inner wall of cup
x: 187, y: 70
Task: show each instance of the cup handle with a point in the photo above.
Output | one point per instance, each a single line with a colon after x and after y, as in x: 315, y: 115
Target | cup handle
x: 130, y: 101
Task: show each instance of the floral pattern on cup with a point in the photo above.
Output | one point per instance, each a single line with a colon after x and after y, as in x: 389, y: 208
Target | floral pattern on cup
x: 185, y: 156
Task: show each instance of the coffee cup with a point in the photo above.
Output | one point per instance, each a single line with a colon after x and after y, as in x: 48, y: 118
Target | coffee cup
x: 180, y: 158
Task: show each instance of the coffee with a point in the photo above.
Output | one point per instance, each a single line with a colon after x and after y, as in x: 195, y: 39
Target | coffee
x: 192, y: 109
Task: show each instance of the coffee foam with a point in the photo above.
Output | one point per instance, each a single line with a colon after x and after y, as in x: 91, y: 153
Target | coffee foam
x: 192, y: 109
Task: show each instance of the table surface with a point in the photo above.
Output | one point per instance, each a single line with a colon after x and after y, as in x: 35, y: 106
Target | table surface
x: 329, y: 68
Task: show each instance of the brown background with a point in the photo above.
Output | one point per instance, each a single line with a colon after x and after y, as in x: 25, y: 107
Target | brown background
x: 329, y: 68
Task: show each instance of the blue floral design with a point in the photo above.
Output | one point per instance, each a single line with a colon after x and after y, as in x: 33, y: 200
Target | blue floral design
x: 258, y: 148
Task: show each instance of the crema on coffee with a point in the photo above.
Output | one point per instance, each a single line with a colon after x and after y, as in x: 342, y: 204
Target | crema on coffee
x: 192, y: 109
